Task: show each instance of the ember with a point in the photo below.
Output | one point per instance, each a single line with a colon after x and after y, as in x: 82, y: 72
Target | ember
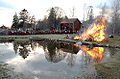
x: 95, y: 32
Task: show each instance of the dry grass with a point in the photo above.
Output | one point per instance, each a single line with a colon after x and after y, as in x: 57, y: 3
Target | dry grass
x: 108, y: 70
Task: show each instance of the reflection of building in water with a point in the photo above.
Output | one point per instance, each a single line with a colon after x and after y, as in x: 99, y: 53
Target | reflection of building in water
x: 70, y: 48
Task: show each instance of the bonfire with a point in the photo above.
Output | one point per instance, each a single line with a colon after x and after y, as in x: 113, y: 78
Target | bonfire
x: 95, y: 32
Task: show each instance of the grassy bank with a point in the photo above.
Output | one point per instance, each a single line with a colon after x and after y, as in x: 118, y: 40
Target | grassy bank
x: 108, y: 42
x: 109, y: 70
x: 50, y: 36
x: 113, y: 41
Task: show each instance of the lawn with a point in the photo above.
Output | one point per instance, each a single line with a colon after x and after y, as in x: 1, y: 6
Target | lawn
x: 109, y: 41
x: 50, y: 36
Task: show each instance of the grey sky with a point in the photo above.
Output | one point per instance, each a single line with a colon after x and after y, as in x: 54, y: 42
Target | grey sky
x: 39, y: 8
x: 6, y: 5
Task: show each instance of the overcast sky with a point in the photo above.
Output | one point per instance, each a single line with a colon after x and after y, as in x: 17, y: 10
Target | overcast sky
x: 38, y: 8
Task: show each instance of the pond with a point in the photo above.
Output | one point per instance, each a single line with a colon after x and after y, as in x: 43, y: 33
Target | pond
x: 53, y: 60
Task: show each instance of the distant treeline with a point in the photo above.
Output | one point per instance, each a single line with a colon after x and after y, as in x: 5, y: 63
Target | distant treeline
x: 55, y: 15
x: 25, y: 21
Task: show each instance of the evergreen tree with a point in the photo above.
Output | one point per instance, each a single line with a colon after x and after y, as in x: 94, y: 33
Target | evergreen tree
x: 15, y: 21
x: 23, y: 18
x: 56, y: 14
x: 23, y: 21
x: 42, y: 25
x: 52, y: 18
x: 32, y: 21
x: 24, y: 15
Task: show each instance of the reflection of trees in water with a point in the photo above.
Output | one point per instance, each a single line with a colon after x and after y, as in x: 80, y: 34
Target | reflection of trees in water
x: 33, y: 45
x: 87, y: 58
x: 54, y: 54
x: 44, y: 44
x: 15, y: 46
x: 22, y: 47
x: 71, y: 58
x: 24, y: 52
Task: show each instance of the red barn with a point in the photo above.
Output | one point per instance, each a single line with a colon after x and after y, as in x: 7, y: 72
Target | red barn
x: 3, y: 27
x: 72, y: 25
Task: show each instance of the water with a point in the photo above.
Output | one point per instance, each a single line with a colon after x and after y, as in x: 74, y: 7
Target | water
x: 51, y: 60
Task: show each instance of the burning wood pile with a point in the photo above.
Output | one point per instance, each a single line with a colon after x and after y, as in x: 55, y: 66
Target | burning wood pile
x: 95, y: 32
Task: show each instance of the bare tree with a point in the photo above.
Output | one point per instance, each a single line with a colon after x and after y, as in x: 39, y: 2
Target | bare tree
x: 103, y: 11
x: 72, y: 11
x: 89, y: 17
x: 115, y: 16
x: 90, y: 14
x: 84, y: 12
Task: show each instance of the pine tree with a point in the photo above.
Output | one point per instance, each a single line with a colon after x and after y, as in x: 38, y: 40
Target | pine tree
x: 24, y: 15
x: 52, y: 18
x: 23, y: 18
x: 15, y: 21
x: 56, y: 14
x: 32, y: 21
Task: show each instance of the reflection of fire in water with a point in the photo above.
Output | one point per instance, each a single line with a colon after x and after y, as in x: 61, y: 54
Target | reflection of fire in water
x: 95, y: 52
x: 95, y: 32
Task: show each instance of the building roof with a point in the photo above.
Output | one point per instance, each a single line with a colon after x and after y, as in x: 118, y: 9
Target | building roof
x: 71, y: 20
x: 3, y: 27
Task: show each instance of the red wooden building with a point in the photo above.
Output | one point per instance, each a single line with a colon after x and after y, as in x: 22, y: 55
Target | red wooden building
x: 72, y: 25
x: 3, y: 27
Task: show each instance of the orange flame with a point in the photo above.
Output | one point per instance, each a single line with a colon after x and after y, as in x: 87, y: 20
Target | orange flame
x: 95, y: 52
x: 95, y: 32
